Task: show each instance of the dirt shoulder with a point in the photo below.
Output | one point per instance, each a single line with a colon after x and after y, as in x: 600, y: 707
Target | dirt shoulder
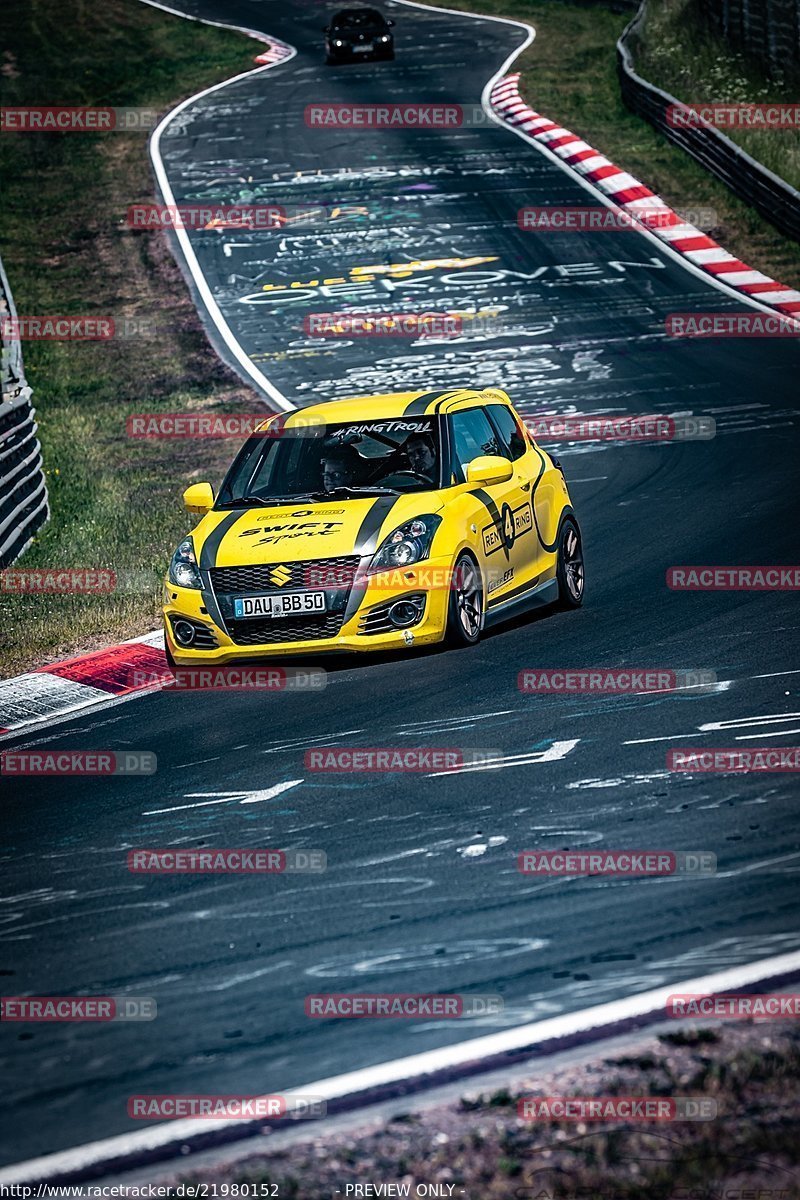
x: 476, y: 1145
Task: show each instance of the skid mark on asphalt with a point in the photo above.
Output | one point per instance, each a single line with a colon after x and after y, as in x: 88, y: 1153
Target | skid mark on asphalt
x: 478, y: 849
x: 434, y: 955
x: 618, y: 781
x: 730, y: 952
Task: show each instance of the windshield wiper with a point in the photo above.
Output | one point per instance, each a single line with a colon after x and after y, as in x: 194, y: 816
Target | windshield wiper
x: 375, y: 490
x: 262, y: 501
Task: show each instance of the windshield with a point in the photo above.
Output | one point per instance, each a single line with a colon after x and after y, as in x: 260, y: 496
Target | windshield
x: 356, y: 458
x: 358, y: 20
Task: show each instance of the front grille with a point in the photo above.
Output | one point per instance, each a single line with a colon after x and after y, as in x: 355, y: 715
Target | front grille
x: 256, y: 632
x: 313, y: 573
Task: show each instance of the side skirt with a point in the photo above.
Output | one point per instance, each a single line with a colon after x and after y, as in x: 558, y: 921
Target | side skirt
x: 544, y: 593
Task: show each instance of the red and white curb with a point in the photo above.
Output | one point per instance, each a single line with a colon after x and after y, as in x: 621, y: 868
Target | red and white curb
x: 278, y: 52
x: 68, y: 687
x: 632, y: 196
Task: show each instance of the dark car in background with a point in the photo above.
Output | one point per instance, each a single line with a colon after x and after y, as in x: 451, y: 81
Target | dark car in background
x: 356, y: 33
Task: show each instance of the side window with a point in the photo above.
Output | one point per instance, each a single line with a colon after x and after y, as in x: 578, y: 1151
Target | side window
x: 511, y: 436
x: 473, y: 436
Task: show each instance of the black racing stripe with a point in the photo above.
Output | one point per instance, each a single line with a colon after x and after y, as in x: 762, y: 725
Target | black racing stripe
x: 208, y: 559
x: 417, y: 407
x: 444, y: 398
x: 494, y: 513
x: 517, y: 591
x: 366, y: 545
x: 208, y: 555
x: 367, y: 536
x: 549, y: 547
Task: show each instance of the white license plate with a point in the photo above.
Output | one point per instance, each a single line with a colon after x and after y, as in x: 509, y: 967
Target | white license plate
x: 289, y: 604
x: 361, y: 49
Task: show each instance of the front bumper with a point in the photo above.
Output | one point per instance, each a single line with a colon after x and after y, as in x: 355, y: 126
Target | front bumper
x: 364, y: 612
x: 350, y: 54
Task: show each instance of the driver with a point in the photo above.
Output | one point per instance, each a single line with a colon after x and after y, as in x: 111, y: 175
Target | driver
x: 421, y: 454
x: 339, y: 467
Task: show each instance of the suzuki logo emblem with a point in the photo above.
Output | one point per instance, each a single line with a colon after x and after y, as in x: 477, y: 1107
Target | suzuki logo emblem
x: 279, y: 576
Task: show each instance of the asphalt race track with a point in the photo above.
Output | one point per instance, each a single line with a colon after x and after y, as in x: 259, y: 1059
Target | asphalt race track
x: 422, y: 893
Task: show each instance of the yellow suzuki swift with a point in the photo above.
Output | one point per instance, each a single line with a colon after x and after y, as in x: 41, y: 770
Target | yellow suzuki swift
x: 372, y: 524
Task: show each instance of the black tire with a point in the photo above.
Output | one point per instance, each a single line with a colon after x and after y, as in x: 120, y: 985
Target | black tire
x: 465, y: 611
x: 570, y: 569
x: 168, y: 655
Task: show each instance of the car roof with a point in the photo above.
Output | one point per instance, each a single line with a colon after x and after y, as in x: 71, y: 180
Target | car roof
x: 395, y: 404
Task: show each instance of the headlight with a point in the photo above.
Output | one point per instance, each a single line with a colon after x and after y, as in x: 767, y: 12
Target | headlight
x: 183, y: 570
x: 406, y: 545
x: 336, y: 42
x: 385, y: 37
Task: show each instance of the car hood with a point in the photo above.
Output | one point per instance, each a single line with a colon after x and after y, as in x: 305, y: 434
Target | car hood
x: 291, y: 533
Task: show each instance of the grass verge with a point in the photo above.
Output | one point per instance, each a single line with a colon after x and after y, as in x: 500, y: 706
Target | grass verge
x: 569, y: 74
x: 481, y: 1149
x: 713, y: 72
x: 115, y: 502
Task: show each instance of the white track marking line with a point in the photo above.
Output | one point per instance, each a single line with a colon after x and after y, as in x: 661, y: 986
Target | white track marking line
x: 554, y: 753
x: 243, y: 797
x: 172, y: 1135
x: 747, y: 737
x: 212, y: 307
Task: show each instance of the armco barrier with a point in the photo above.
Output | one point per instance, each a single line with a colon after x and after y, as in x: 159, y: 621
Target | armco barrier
x: 769, y: 195
x: 765, y: 29
x: 23, y: 492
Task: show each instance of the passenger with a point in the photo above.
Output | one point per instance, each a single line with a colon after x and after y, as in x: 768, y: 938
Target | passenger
x: 339, y: 467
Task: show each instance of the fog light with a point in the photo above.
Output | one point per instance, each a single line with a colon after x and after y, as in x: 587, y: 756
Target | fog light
x: 403, y: 613
x: 184, y: 632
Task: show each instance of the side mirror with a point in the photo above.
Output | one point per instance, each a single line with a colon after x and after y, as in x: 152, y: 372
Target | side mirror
x: 489, y: 468
x: 199, y: 498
